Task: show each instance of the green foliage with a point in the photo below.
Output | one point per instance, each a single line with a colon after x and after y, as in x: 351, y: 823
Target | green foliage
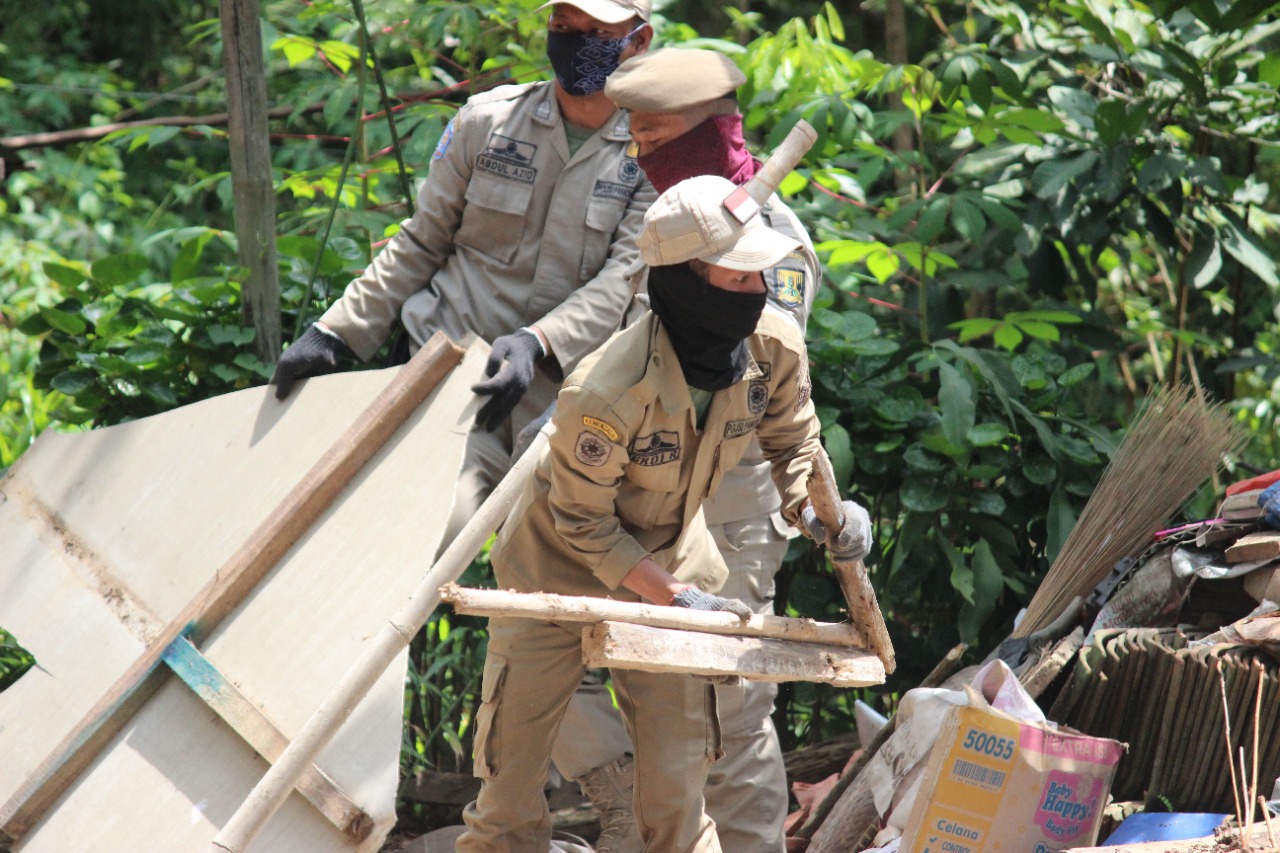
x: 14, y: 660
x: 1050, y: 207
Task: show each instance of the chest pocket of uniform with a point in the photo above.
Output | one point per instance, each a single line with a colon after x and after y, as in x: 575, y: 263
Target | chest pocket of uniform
x: 652, y: 487
x: 494, y: 219
x: 603, y: 216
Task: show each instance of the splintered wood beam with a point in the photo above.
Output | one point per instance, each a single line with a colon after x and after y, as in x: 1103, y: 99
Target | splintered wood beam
x: 235, y: 709
x: 625, y: 646
x: 573, y: 608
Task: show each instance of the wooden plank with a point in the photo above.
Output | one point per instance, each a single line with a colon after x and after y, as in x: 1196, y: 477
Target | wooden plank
x: 618, y: 644
x: 581, y: 608
x: 1264, y: 545
x: 259, y: 732
x: 232, y: 583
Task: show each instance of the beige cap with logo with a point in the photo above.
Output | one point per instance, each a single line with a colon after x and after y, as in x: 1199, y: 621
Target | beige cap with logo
x: 609, y: 11
x: 690, y: 220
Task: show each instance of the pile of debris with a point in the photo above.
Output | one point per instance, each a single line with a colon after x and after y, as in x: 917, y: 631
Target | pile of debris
x: 1174, y: 659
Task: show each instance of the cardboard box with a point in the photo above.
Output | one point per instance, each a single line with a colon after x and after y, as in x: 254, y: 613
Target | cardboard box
x: 994, y: 783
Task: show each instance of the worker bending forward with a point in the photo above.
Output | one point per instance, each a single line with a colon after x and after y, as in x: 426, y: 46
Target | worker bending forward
x: 645, y: 429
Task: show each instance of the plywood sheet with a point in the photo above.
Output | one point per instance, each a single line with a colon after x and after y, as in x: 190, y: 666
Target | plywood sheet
x: 108, y: 534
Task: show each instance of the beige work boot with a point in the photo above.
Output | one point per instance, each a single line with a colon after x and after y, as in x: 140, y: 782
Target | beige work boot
x: 608, y: 787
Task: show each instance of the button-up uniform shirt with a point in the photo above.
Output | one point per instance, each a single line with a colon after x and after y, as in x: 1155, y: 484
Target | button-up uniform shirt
x: 626, y: 471
x: 510, y: 230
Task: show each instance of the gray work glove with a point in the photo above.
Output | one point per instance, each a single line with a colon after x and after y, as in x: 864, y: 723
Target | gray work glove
x: 510, y: 370
x: 695, y: 599
x: 525, y: 437
x: 852, y: 541
x: 314, y: 354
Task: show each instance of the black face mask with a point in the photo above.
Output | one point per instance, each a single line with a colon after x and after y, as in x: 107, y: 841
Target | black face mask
x: 582, y: 62
x: 708, y: 326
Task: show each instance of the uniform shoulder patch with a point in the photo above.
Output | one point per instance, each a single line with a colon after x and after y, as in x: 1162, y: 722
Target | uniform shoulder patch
x: 597, y: 424
x: 591, y: 449
x: 445, y: 138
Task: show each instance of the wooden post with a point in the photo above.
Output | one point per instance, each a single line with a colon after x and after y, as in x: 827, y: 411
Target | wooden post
x: 255, y: 212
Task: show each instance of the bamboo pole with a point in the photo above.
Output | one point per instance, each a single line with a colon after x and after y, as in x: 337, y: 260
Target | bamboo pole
x: 581, y: 608
x: 233, y: 582
x: 270, y: 792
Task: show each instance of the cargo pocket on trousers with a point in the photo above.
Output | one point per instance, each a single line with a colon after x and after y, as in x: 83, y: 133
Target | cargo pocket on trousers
x: 488, y: 733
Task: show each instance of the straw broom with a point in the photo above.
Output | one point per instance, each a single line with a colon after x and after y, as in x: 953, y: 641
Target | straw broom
x: 1176, y: 443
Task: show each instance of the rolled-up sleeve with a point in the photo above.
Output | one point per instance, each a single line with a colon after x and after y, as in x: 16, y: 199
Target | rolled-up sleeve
x: 588, y: 453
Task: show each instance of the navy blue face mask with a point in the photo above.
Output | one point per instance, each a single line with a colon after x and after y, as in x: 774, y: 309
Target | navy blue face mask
x: 582, y: 62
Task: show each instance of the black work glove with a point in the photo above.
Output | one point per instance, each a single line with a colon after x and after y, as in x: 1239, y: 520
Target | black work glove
x: 852, y: 541
x: 695, y: 599
x: 508, y: 381
x: 313, y: 354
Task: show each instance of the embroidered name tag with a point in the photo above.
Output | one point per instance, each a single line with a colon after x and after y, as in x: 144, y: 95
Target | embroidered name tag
x: 608, y: 189
x: 503, y: 169
x: 656, y: 448
x: 737, y: 429
x: 596, y: 423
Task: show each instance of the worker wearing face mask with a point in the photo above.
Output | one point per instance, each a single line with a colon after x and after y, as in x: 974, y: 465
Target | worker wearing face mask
x: 685, y: 121
x: 523, y: 230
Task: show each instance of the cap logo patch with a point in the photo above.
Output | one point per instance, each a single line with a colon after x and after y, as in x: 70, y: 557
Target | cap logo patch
x: 597, y: 424
x: 591, y: 450
x: 657, y: 448
x: 741, y: 205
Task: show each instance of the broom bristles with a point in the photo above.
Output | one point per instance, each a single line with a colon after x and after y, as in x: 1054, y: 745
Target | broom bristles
x: 1174, y: 445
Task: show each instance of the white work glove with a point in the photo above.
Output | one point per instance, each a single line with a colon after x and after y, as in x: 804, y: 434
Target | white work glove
x: 852, y: 541
x: 695, y: 599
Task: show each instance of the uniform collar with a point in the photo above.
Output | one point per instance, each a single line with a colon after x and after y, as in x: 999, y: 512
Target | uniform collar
x: 546, y: 111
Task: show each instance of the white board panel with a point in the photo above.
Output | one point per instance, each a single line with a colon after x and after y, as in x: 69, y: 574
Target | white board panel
x: 153, y: 508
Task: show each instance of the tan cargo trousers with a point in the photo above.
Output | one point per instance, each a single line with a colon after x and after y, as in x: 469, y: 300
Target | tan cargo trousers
x: 746, y: 791
x: 531, y: 671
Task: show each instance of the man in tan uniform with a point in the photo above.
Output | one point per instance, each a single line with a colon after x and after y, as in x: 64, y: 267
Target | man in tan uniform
x: 523, y: 231
x: 685, y: 120
x: 645, y: 430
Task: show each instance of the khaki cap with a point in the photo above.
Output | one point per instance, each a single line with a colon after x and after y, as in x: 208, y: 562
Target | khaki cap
x: 673, y: 80
x: 609, y: 11
x: 690, y: 221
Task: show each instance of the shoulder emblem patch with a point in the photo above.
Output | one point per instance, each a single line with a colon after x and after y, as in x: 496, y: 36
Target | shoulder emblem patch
x: 758, y: 397
x: 591, y: 449
x: 445, y: 138
x: 788, y: 287
x: 597, y: 424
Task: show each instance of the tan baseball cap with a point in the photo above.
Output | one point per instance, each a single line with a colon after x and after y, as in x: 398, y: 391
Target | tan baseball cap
x: 673, y: 80
x: 691, y: 221
x: 609, y: 11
